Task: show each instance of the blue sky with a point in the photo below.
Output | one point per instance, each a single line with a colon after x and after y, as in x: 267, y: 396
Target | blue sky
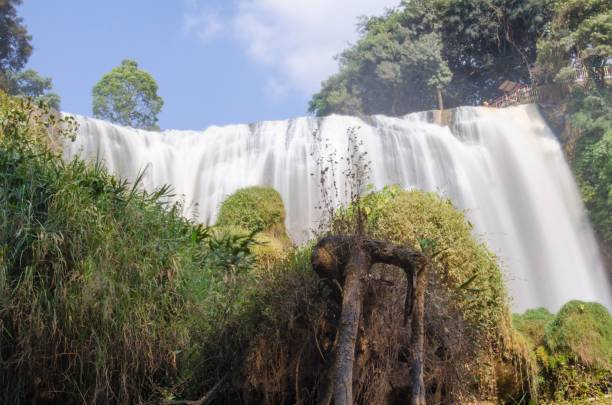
x: 216, y: 61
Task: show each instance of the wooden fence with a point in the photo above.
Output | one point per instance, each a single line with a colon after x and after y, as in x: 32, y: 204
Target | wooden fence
x: 526, y: 94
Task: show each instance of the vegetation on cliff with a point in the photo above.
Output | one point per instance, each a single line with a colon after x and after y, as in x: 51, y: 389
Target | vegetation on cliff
x: 572, y: 348
x: 98, y: 280
x: 580, y: 36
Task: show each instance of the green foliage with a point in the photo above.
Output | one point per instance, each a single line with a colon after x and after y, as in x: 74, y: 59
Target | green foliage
x: 15, y: 47
x: 466, y: 47
x: 128, y: 96
x: 467, y: 284
x: 255, y: 209
x: 573, y: 349
x: 593, y: 155
x: 580, y: 33
x: 582, y: 331
x: 104, y: 291
x: 464, y: 265
x: 532, y: 324
x: 29, y: 83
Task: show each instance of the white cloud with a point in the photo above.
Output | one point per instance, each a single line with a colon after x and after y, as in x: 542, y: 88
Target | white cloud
x: 298, y: 39
x: 204, y: 23
x: 275, y: 90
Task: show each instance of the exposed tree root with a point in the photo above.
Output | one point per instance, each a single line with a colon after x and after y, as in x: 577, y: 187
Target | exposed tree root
x: 348, y: 259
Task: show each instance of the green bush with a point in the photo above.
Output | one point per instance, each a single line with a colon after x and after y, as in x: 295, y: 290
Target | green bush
x: 467, y: 284
x: 532, y: 324
x: 582, y: 331
x: 464, y: 265
x: 573, y: 349
x: 255, y: 209
x: 104, y: 290
x: 593, y: 160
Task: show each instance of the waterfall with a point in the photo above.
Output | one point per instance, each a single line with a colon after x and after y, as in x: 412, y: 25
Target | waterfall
x: 503, y: 167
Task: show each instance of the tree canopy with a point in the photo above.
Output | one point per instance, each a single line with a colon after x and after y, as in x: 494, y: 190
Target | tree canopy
x: 30, y: 84
x: 466, y: 47
x: 128, y: 96
x: 579, y: 34
x: 15, y: 47
x: 580, y: 37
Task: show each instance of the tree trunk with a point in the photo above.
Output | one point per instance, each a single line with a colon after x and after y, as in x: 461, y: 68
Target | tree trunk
x: 352, y: 297
x: 350, y: 259
x: 440, y: 100
x: 417, y: 339
x: 395, y: 100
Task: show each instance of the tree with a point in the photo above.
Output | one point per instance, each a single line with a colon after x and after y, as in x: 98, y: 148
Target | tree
x: 30, y: 84
x: 15, y: 47
x: 128, y: 96
x: 466, y: 48
x: 580, y: 35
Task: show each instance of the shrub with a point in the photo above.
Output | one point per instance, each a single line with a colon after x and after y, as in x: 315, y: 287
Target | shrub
x: 100, y: 284
x: 472, y: 352
x: 467, y: 273
x: 573, y: 350
x: 532, y: 324
x: 582, y: 331
x: 463, y: 265
x: 255, y: 209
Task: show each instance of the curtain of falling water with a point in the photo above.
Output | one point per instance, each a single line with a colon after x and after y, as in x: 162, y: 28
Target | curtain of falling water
x: 502, y: 166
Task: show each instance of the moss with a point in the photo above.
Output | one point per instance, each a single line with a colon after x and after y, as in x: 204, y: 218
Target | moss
x: 464, y: 265
x: 256, y: 209
x: 582, y: 331
x: 573, y: 350
x: 532, y: 324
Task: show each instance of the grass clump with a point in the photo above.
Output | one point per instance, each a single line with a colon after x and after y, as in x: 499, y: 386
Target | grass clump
x: 573, y: 350
x: 258, y: 211
x: 532, y: 324
x: 255, y: 209
x: 100, y: 284
x: 582, y: 331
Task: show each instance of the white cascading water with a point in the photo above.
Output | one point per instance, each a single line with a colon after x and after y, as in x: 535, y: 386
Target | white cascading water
x: 504, y: 167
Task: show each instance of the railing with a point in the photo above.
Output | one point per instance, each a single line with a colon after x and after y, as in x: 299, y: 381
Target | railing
x: 523, y: 95
x: 582, y: 76
x: 526, y: 94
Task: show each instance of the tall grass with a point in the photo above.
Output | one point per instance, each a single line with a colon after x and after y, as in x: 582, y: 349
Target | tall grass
x: 99, y: 281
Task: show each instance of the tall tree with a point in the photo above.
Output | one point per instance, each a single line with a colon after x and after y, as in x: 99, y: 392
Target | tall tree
x: 15, y: 47
x: 579, y: 35
x: 30, y: 84
x: 466, y: 47
x: 128, y: 96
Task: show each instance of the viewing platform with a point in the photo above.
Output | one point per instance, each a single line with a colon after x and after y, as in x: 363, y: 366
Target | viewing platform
x: 516, y: 93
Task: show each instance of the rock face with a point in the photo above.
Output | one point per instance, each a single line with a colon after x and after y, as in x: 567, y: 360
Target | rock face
x: 504, y: 167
